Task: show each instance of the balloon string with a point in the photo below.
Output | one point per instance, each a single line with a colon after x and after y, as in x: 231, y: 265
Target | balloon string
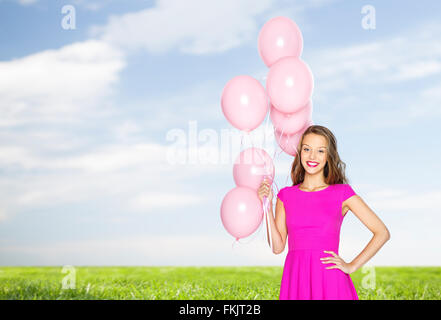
x: 286, y: 139
x: 234, y: 242
x: 267, y: 220
x: 284, y: 144
x: 277, y: 188
x: 251, y: 139
x: 265, y: 203
x: 266, y: 121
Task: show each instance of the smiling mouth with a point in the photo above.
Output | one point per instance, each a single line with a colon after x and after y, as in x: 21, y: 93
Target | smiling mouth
x: 312, y: 164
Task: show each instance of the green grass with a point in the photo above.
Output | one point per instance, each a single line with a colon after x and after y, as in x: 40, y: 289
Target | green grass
x: 206, y: 283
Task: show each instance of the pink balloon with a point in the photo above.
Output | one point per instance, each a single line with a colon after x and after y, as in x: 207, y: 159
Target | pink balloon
x: 279, y: 37
x: 291, y: 122
x: 289, y: 84
x: 251, y: 166
x: 244, y: 102
x: 241, y: 212
x: 289, y: 142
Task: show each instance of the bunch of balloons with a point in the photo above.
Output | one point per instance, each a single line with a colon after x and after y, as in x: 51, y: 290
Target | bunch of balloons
x: 246, y: 103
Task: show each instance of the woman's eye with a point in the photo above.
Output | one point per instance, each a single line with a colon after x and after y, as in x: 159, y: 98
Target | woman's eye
x: 322, y: 151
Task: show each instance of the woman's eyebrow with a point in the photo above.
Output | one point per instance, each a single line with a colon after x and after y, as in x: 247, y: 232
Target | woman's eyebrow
x: 309, y: 145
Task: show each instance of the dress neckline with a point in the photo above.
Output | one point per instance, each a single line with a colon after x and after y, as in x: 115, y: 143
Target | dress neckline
x: 298, y: 188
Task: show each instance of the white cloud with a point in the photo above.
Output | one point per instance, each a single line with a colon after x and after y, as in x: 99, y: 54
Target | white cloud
x: 58, y: 85
x: 400, y: 201
x: 102, y: 159
x: 134, y: 174
x: 385, y: 61
x: 199, y: 102
x: 418, y: 69
x: 153, y: 200
x: 433, y: 92
x: 197, y: 26
x: 123, y: 131
x: 385, y: 68
x: 92, y: 5
x: 355, y: 236
x: 87, y: 4
x: 395, y: 199
x: 26, y: 2
x: 194, y: 27
x: 426, y: 102
x: 103, y: 172
x: 3, y: 214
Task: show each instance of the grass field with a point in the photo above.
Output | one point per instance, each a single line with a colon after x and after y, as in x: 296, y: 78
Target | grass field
x: 206, y: 283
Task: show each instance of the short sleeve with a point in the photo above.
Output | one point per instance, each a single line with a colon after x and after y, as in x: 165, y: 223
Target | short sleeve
x: 347, y: 192
x: 281, y: 195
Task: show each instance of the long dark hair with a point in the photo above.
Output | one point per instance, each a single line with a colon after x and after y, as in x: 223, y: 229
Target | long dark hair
x: 334, y: 170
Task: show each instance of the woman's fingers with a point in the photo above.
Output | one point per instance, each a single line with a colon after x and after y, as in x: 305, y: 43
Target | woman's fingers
x: 265, y: 183
x: 331, y: 252
x: 265, y: 189
x: 330, y: 261
x: 330, y: 258
x: 334, y: 259
x: 334, y: 267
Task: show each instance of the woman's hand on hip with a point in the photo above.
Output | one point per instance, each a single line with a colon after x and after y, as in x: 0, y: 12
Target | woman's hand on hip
x: 339, y: 263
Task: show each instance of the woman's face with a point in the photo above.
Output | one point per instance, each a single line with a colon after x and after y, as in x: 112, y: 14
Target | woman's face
x: 314, y: 153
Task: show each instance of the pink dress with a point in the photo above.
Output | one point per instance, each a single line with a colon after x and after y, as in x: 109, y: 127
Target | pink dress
x: 313, y: 221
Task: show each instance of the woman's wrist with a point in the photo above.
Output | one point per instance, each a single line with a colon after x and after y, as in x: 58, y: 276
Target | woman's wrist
x: 352, y: 267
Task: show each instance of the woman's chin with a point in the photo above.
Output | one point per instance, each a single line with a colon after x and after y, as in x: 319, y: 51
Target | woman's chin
x: 312, y: 170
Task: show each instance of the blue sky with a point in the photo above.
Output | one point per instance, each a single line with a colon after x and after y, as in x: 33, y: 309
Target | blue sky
x: 86, y: 114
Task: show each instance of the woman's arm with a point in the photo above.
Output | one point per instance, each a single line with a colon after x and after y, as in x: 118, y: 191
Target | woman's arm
x: 278, y: 227
x: 278, y: 224
x: 374, y: 224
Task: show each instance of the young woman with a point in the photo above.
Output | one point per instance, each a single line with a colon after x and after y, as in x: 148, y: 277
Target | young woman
x: 310, y: 213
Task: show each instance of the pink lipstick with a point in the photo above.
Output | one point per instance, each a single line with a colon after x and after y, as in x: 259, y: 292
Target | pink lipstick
x: 312, y: 163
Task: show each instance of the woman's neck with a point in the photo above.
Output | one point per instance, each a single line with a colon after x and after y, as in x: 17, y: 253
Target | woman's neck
x: 311, y: 182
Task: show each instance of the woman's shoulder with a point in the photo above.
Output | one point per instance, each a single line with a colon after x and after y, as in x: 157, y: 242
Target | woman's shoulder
x: 285, y: 193
x: 345, y: 190
x: 340, y: 185
x: 284, y: 190
x: 343, y: 185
